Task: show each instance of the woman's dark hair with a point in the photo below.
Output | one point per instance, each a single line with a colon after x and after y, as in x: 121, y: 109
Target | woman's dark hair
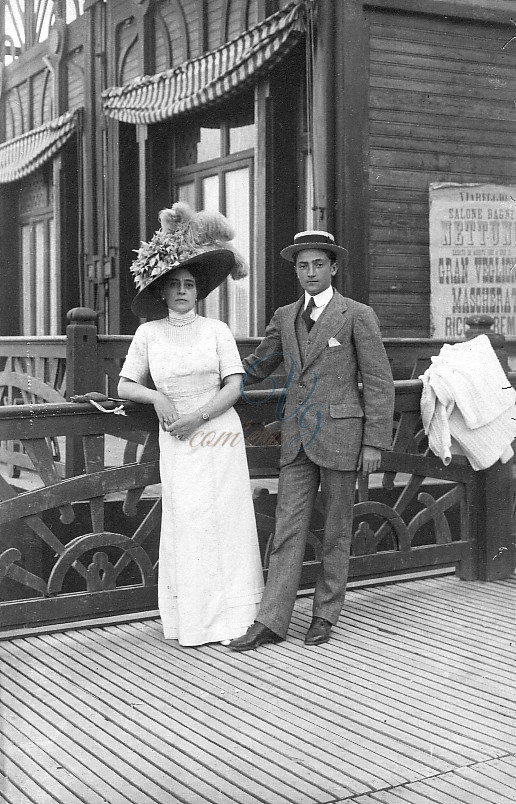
x: 158, y: 284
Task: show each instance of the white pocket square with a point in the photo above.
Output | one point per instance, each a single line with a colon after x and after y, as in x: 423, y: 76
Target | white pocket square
x: 334, y: 342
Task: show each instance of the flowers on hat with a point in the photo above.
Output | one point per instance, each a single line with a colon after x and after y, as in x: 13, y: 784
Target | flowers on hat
x: 183, y: 235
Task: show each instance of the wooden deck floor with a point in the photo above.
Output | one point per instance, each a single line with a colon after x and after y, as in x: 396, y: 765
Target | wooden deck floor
x: 413, y: 701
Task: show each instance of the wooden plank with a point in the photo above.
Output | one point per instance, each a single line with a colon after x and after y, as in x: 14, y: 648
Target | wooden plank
x: 429, y: 645
x: 252, y: 699
x: 450, y: 125
x: 28, y: 770
x: 78, y: 605
x: 409, y: 665
x: 363, y: 639
x: 179, y: 691
x: 53, y: 750
x: 467, y: 614
x: 491, y: 648
x: 418, y: 24
x: 158, y: 728
x: 414, y: 133
x: 424, y: 660
x: 428, y: 162
x: 154, y: 776
x: 452, y: 788
x: 454, y: 11
x: 476, y: 91
x: 426, y: 144
x: 462, y: 46
x: 458, y: 721
x: 396, y: 63
x: 359, y: 724
x: 406, y: 179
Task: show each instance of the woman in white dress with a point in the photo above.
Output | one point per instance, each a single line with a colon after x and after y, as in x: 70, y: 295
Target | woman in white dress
x: 210, y: 578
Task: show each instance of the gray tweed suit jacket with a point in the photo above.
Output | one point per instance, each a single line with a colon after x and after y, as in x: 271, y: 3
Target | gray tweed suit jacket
x: 324, y: 411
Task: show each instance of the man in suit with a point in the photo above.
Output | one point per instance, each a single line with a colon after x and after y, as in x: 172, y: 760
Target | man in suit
x: 328, y: 344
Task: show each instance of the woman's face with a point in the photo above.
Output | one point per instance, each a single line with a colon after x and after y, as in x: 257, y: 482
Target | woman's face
x: 179, y: 291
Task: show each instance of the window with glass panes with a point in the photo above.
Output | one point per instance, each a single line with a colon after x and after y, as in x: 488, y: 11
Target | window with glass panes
x: 213, y: 170
x: 40, y: 303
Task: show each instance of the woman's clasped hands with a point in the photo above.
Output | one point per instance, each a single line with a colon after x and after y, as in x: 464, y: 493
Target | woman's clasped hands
x: 184, y: 426
x: 180, y: 427
x: 165, y: 411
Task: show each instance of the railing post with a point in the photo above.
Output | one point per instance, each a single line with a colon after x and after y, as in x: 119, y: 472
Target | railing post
x: 495, y: 549
x: 495, y: 555
x: 82, y: 372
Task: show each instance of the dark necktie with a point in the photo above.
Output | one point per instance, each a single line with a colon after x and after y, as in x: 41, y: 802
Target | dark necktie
x: 306, y: 314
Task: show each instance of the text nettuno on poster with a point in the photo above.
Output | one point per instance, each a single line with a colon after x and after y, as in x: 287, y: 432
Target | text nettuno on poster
x: 472, y: 257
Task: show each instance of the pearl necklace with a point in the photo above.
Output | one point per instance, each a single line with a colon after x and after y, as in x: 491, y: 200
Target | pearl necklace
x: 180, y: 322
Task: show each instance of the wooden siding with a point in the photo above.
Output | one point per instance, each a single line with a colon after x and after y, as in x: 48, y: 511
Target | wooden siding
x: 42, y: 89
x: 412, y: 701
x: 172, y: 47
x: 441, y: 108
x: 215, y: 24
x: 127, y: 51
x: 238, y: 15
x: 17, y: 111
x: 75, y: 78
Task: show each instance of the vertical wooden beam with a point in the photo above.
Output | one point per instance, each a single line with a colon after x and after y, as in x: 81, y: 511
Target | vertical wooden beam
x: 494, y: 548
x: 324, y: 118
x: 95, y: 158
x: 145, y: 24
x: 146, y: 62
x: 351, y: 85
x: 57, y: 64
x: 2, y: 60
x: 10, y: 318
x: 262, y: 176
x: 144, y: 173
x: 90, y: 129
x: 202, y: 15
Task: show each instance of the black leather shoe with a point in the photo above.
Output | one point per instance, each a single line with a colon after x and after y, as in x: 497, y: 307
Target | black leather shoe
x: 256, y: 635
x: 319, y: 631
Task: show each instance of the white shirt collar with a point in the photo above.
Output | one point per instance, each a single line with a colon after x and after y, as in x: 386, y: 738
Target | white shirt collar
x: 321, y: 299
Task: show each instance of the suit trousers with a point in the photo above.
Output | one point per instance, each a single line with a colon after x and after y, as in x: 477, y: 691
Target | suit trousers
x: 298, y: 485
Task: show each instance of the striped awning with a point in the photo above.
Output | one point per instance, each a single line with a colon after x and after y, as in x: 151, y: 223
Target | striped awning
x: 26, y: 153
x: 202, y: 81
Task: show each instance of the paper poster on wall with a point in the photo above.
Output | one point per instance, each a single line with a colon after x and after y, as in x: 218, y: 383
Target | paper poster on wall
x: 472, y: 257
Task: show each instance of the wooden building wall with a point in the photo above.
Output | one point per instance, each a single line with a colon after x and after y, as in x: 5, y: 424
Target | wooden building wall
x: 417, y: 91
x: 441, y: 93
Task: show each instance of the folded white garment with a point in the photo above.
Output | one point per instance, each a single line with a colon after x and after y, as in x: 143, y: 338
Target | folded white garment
x: 470, y: 374
x: 468, y: 404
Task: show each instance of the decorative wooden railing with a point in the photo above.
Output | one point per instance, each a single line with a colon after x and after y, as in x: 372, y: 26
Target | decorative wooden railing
x: 86, y: 545
x: 31, y: 370
x: 53, y: 369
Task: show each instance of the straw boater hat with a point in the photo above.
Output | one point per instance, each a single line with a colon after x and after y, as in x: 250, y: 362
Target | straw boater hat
x: 313, y: 239
x: 198, y: 241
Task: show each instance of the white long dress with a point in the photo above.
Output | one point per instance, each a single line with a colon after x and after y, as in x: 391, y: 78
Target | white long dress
x: 210, y: 578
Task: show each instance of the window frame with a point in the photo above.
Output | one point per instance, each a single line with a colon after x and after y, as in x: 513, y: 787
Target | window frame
x: 41, y: 313
x: 219, y: 167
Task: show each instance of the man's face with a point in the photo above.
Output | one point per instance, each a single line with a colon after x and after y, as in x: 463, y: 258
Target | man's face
x: 315, y: 268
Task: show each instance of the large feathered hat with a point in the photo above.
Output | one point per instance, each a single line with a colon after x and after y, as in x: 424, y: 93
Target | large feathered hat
x: 199, y: 241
